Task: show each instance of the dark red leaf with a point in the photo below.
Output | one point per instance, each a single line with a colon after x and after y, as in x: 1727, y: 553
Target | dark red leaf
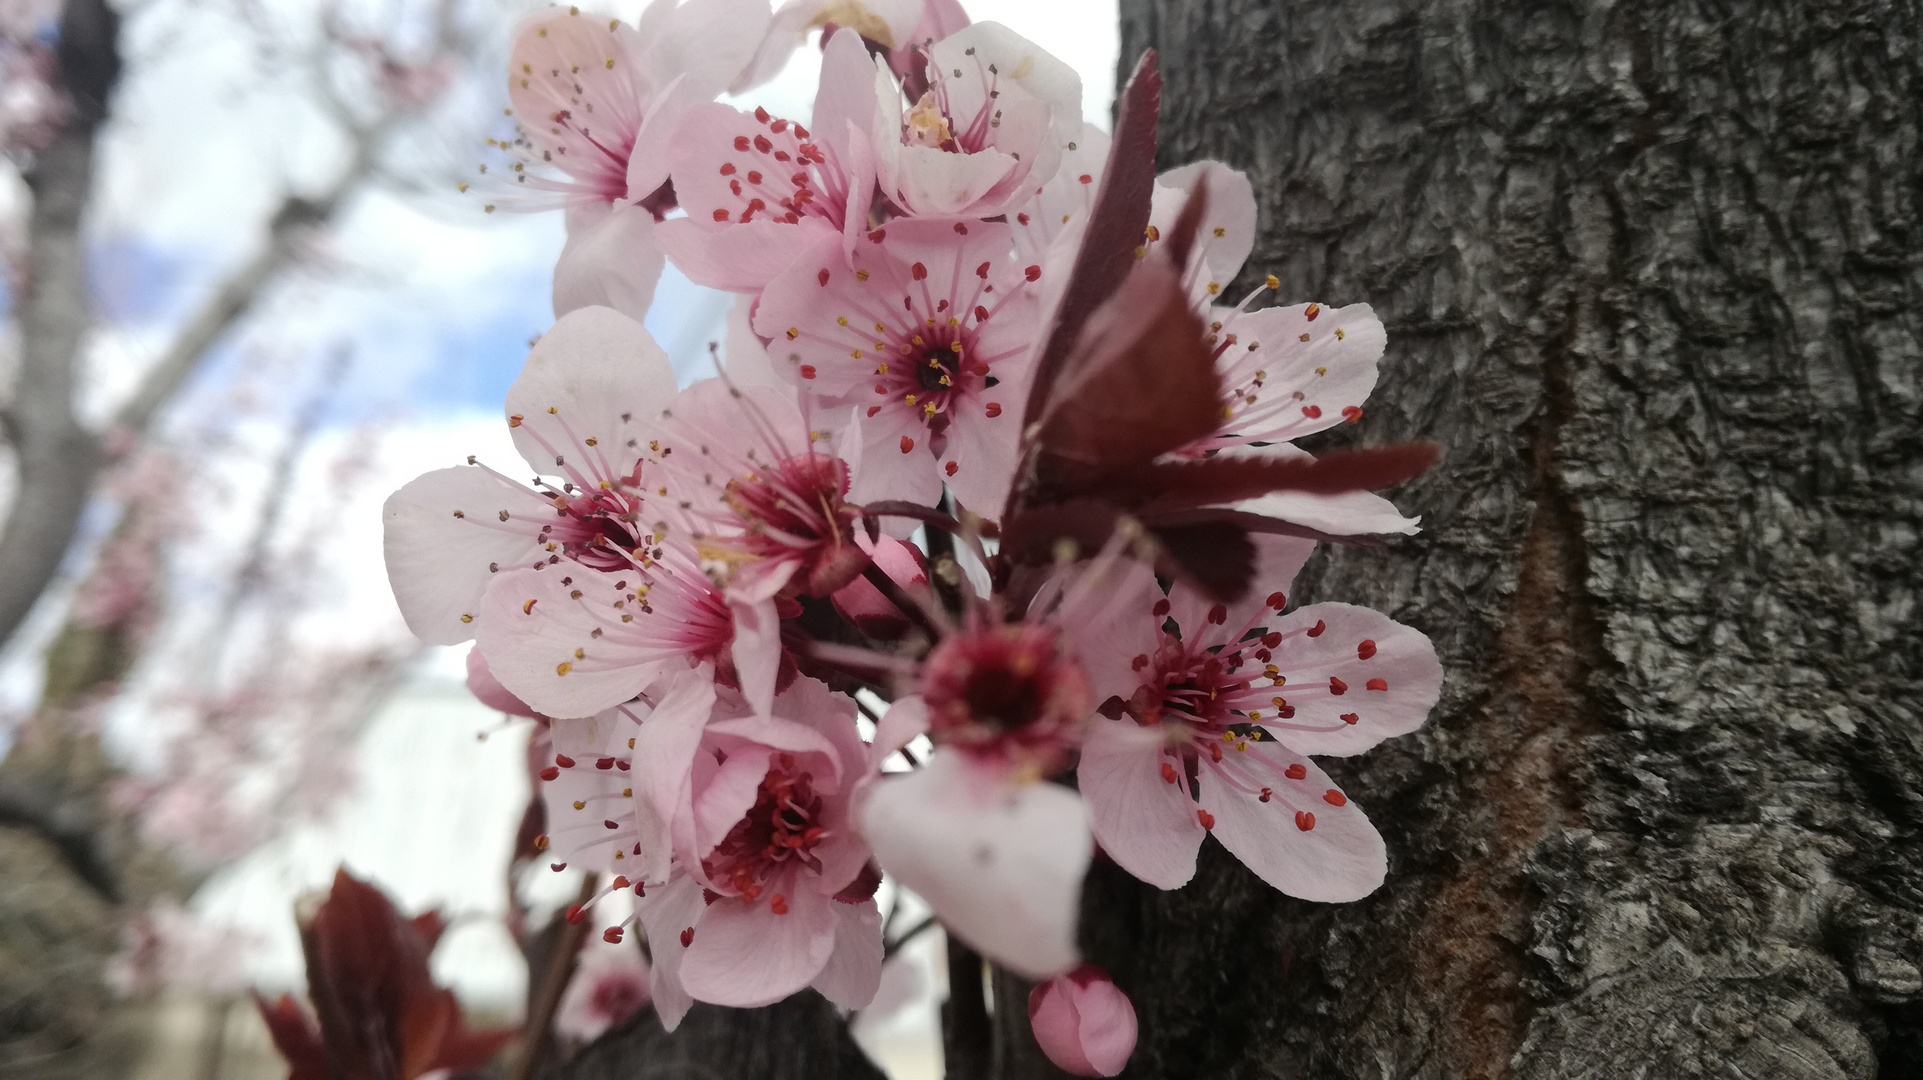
x: 1215, y: 557
x: 294, y: 1036
x: 1181, y: 238
x: 1117, y: 225
x: 1143, y: 384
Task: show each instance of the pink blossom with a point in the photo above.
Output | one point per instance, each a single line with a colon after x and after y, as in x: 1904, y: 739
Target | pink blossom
x: 996, y: 114
x: 776, y: 894
x: 610, y: 984
x: 761, y: 191
x: 1216, y: 719
x: 488, y: 690
x: 862, y: 604
x: 928, y: 332
x: 575, y: 414
x: 1083, y: 1021
x: 766, y: 509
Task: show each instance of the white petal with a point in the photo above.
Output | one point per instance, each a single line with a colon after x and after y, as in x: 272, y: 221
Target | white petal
x: 1146, y: 824
x: 445, y: 538
x: 611, y: 261
x: 853, y: 971
x: 595, y: 375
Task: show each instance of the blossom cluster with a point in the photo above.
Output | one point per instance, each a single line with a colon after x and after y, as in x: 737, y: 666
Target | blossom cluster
x: 992, y: 457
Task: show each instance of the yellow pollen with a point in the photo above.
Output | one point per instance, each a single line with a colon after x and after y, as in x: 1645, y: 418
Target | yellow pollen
x: 1215, y: 288
x: 841, y: 320
x: 563, y: 668
x: 1272, y: 281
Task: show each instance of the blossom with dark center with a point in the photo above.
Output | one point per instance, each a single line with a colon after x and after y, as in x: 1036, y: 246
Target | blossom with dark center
x: 576, y: 416
x: 1213, y: 710
x: 927, y: 334
x: 773, y: 893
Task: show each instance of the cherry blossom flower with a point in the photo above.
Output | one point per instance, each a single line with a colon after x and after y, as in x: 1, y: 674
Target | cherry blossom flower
x: 610, y: 984
x: 761, y: 191
x: 575, y: 416
x: 1217, y: 708
x: 928, y: 333
x: 996, y: 113
x: 775, y: 892
x: 1083, y: 1022
x: 767, y: 511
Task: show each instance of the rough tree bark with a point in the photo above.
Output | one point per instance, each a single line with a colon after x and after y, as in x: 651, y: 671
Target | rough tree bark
x: 1652, y: 271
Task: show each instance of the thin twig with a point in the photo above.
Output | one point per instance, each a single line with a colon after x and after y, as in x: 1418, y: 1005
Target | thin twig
x: 907, y: 936
x: 554, y: 982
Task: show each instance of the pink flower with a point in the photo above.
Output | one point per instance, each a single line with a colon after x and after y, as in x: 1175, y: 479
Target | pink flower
x: 775, y: 893
x: 767, y: 511
x: 994, y: 117
x: 575, y: 414
x: 1217, y: 717
x: 761, y: 191
x: 610, y: 984
x: 488, y: 690
x: 1083, y: 1021
x: 928, y: 332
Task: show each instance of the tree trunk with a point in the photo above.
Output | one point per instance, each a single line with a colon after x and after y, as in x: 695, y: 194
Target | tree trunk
x: 1652, y: 273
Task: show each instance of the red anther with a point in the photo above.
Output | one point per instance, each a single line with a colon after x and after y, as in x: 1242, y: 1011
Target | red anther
x: 640, y: 888
x: 1215, y: 751
x: 778, y: 904
x: 620, y: 882
x: 755, y: 205
x: 762, y: 144
x: 1168, y: 773
x: 1351, y: 718
x: 1023, y: 218
x: 982, y: 271
x: 1218, y: 614
x: 873, y: 409
x: 1267, y: 794
x: 1295, y: 771
x: 1365, y: 650
x: 564, y: 761
x: 622, y: 765
x: 1337, y: 686
x: 1313, y: 412
x: 918, y: 272
x: 734, y: 188
x: 754, y: 177
x: 1376, y: 684
x: 778, y: 126
x: 1086, y: 178
x: 1318, y: 628
x: 961, y: 229
x: 1304, y: 820
x: 993, y: 409
x: 604, y: 764
x: 907, y: 444
x: 822, y: 277
x: 1160, y: 609
x: 687, y: 937
x: 1351, y: 413
x: 981, y: 314
x: 1278, y: 601
x: 807, y: 371
x: 950, y: 468
x: 801, y: 133
x: 727, y: 168
x: 610, y: 824
x: 1207, y: 819
x: 761, y: 114
x: 1033, y: 273
x: 799, y: 179
x: 612, y: 935
x: 1335, y: 798
x: 1140, y: 662
x: 574, y: 914
x: 721, y: 215
x: 1270, y: 641
x: 740, y: 142
x: 877, y: 236
x: 557, y: 867
x: 550, y: 773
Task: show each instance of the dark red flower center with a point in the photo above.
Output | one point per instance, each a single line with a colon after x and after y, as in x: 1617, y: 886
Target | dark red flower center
x: 1006, y: 689
x: 779, y: 832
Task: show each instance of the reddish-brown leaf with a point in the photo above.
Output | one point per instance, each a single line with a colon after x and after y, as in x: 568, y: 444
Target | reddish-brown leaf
x: 294, y: 1036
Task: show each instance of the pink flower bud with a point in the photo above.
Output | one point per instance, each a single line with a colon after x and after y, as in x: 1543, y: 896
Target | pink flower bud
x: 1083, y: 1021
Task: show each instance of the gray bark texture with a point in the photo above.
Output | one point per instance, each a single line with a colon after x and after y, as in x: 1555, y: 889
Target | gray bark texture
x: 1652, y: 272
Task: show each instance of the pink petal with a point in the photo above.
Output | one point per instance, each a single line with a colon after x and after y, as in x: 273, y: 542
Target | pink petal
x: 663, y: 757
x: 1338, y: 857
x: 488, y: 690
x: 1315, y: 372
x: 1388, y: 672
x: 707, y: 42
x: 724, y: 797
x: 757, y: 652
x: 578, y: 835
x: 853, y: 971
x: 1146, y: 824
x: 845, y: 96
x: 1108, y: 610
x: 532, y: 628
x: 742, y: 257
x: 444, y: 539
x: 904, y: 722
x: 1353, y: 513
x: 1064, y: 200
x: 1277, y: 560
x: 596, y: 375
x: 665, y: 912
x: 1001, y: 862
x: 746, y: 956
x: 611, y: 260
x: 936, y: 183
x: 1214, y: 260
